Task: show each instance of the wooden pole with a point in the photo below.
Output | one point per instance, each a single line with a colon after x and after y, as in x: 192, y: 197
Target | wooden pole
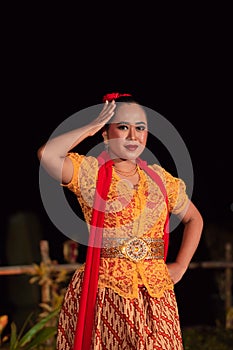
x: 228, y: 285
x: 45, y: 287
x: 29, y: 269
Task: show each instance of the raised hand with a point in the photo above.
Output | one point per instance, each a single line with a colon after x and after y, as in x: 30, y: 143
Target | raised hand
x: 104, y: 116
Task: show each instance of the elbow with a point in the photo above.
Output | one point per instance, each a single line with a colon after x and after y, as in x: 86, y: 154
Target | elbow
x: 198, y: 221
x: 194, y: 217
x: 40, y: 152
x: 201, y: 222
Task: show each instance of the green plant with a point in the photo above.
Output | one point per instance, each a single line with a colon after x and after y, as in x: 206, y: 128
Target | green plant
x: 40, y: 334
x: 36, y: 336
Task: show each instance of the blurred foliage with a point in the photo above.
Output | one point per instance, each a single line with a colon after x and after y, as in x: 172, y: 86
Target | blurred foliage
x: 3, y: 324
x: 40, y: 333
x: 53, y: 285
x: 36, y: 337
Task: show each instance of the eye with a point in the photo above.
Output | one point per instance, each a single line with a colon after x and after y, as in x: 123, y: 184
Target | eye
x: 122, y: 127
x: 140, y: 128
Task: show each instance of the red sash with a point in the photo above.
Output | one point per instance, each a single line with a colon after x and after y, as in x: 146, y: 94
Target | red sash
x: 86, y: 314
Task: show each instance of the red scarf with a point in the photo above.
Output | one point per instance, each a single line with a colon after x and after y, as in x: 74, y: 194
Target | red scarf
x: 84, y: 327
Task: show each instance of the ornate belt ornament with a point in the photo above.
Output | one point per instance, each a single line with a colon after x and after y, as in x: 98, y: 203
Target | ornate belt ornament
x: 135, y: 249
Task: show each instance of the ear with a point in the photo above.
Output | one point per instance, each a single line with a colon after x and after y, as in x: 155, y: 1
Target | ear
x: 105, y: 135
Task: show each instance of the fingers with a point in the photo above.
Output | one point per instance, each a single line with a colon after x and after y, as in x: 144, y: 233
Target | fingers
x: 109, y: 106
x: 103, y: 118
x: 107, y: 111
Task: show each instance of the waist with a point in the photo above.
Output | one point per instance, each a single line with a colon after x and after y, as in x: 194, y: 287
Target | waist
x: 135, y: 249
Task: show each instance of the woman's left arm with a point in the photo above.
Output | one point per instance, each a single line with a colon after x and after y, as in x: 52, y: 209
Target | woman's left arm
x: 193, y: 226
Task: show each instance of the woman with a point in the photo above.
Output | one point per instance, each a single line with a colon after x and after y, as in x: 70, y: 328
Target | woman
x: 123, y: 296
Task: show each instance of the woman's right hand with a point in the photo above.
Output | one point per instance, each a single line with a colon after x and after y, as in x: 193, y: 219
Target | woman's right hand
x: 103, y: 118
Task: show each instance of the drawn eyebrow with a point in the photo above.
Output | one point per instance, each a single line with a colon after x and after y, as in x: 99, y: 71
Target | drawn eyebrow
x: 129, y: 123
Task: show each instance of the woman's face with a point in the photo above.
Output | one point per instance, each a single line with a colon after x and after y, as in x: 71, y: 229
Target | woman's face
x: 127, y: 132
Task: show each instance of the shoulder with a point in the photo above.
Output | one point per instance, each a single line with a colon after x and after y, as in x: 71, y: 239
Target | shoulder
x: 162, y: 173
x: 81, y: 160
x: 166, y: 176
x: 158, y: 169
x: 175, y: 188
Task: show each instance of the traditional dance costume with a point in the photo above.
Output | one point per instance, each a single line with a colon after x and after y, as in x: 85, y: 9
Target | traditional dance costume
x: 135, y: 306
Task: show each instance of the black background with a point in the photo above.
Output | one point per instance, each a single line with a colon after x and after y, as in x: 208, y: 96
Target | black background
x: 57, y: 60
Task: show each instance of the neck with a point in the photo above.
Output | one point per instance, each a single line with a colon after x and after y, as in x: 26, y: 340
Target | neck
x: 124, y: 163
x: 125, y: 168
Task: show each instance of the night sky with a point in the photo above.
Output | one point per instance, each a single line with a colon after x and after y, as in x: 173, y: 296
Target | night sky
x: 54, y: 65
x: 51, y: 69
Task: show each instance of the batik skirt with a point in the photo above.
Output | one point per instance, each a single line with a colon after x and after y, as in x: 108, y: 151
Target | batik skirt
x: 145, y: 323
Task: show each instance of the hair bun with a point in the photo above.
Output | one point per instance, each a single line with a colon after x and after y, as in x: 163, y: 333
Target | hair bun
x: 113, y: 96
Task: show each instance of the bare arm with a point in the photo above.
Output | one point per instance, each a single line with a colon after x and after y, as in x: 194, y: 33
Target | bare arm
x: 53, y: 154
x: 193, y: 225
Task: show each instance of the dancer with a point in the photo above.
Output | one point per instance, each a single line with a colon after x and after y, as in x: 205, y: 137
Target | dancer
x: 123, y: 295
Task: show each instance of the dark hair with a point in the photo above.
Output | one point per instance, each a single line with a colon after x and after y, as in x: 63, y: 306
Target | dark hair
x: 126, y: 99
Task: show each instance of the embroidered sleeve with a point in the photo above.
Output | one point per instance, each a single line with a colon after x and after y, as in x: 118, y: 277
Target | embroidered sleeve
x: 76, y: 160
x: 83, y: 182
x: 176, y: 190
x: 85, y: 168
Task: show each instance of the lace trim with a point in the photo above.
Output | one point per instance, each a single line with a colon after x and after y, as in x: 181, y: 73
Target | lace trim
x: 124, y: 277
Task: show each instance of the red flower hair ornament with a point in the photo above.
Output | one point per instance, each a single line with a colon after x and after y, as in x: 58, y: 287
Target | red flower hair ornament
x: 113, y: 96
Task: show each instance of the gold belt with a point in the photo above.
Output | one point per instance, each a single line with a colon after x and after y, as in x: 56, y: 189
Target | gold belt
x: 135, y: 249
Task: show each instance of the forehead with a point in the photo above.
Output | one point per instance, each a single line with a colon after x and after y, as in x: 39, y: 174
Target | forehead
x: 129, y: 112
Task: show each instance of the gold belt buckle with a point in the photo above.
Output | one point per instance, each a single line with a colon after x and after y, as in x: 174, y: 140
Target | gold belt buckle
x: 136, y: 249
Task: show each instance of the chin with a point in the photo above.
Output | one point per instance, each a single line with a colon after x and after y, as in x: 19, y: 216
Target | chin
x: 131, y: 156
x: 125, y: 155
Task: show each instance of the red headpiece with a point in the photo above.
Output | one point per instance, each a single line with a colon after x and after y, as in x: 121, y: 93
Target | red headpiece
x: 113, y: 96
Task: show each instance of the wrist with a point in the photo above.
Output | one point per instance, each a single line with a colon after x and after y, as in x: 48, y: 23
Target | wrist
x: 182, y: 266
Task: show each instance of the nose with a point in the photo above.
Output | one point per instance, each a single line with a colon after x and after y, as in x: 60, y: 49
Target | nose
x: 132, y: 133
